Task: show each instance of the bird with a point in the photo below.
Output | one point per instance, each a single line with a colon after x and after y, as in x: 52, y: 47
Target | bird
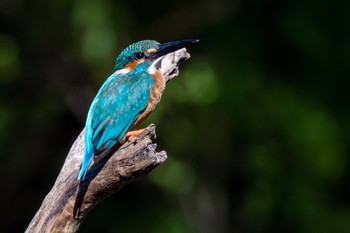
x: 126, y: 98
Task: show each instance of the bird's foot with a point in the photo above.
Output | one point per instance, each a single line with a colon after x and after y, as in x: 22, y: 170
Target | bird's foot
x: 131, y: 134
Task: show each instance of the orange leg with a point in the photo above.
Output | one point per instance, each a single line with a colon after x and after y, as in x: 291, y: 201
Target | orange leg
x: 133, y: 133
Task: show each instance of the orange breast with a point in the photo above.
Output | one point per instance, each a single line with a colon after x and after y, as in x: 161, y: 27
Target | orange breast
x: 159, y: 86
x: 155, y: 96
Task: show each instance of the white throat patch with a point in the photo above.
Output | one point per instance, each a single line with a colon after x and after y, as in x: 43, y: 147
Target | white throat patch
x: 156, y: 65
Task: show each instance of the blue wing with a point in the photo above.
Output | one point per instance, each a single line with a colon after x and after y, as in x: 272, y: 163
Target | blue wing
x: 114, y: 109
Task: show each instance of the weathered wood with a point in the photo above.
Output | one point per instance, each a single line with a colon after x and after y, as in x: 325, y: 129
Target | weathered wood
x: 69, y: 200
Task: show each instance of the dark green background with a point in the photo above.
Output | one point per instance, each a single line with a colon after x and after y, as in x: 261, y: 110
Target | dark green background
x: 256, y: 126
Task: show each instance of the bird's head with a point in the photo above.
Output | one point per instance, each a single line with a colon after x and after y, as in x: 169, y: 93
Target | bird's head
x: 146, y: 51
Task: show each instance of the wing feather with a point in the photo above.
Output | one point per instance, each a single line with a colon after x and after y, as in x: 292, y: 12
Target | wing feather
x: 116, y: 106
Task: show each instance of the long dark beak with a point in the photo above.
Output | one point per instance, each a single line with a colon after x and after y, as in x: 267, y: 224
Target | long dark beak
x: 169, y: 47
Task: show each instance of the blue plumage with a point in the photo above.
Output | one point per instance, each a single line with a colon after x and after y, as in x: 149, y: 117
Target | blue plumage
x: 125, y: 98
x: 112, y: 112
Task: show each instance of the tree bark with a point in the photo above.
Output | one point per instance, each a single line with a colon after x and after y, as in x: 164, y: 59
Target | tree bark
x: 69, y: 201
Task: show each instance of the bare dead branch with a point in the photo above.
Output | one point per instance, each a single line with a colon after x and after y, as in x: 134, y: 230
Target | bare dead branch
x: 69, y: 200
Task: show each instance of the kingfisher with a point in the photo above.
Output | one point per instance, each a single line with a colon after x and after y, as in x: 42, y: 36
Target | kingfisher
x: 126, y: 98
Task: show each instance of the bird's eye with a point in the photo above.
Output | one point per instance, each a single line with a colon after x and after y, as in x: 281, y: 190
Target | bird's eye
x: 139, y: 55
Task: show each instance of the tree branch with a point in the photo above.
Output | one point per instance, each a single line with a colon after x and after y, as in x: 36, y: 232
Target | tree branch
x: 69, y: 200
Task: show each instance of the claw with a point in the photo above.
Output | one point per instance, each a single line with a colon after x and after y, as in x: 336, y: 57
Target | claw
x: 131, y: 134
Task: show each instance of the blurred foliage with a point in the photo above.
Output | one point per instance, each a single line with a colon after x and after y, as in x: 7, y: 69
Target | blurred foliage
x: 256, y: 126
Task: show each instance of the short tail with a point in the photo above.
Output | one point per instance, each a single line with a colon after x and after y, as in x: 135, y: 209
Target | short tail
x: 88, y: 157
